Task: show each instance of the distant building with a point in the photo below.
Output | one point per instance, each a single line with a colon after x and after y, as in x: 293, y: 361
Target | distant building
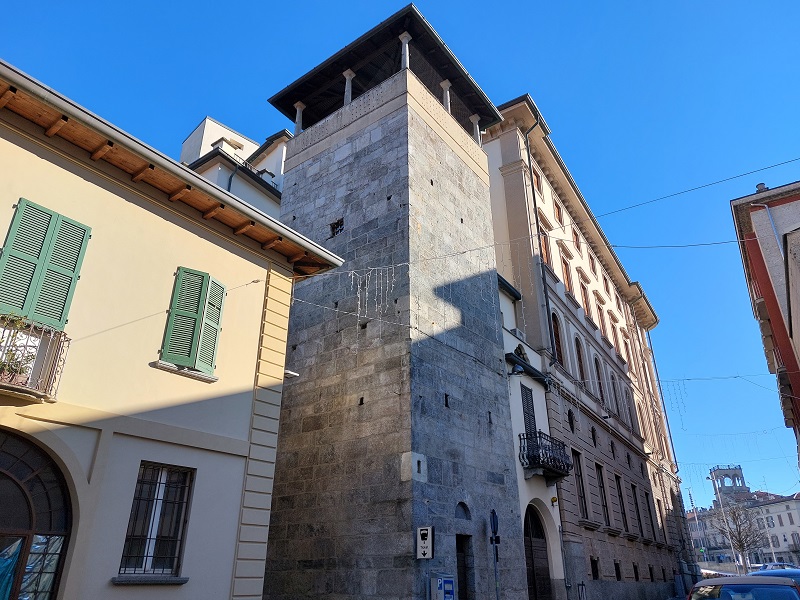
x: 768, y: 229
x: 778, y: 517
x: 143, y: 318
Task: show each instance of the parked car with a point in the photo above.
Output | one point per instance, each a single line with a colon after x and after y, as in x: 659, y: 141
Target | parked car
x: 787, y: 572
x: 776, y: 566
x: 745, y: 588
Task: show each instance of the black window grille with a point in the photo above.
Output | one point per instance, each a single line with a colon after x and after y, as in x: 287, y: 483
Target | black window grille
x: 595, y: 562
x: 337, y: 227
x: 601, y: 488
x: 623, y: 513
x: 634, y: 493
x: 157, y: 523
x: 650, y: 514
x: 581, y: 491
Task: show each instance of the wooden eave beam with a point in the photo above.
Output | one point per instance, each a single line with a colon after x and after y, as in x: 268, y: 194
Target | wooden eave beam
x: 7, y: 96
x: 293, y: 259
x: 102, y: 150
x: 56, y: 126
x: 271, y: 243
x: 212, y: 212
x: 307, y: 264
x: 242, y: 228
x: 139, y: 175
x: 180, y: 193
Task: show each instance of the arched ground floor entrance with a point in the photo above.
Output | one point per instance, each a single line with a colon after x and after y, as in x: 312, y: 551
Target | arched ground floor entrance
x: 537, y: 566
x: 35, y: 519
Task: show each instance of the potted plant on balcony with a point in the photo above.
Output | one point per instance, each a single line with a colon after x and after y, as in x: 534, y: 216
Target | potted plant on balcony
x: 16, y: 352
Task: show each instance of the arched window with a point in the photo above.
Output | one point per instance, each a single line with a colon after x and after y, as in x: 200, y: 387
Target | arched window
x: 35, y: 520
x: 462, y: 512
x: 629, y: 409
x: 579, y: 359
x: 558, y: 352
x: 614, y: 398
x: 599, y: 374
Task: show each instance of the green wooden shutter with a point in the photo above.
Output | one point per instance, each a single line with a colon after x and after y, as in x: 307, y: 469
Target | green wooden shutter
x: 184, y: 324
x: 60, y: 272
x: 40, y: 264
x: 209, y: 337
x: 23, y: 253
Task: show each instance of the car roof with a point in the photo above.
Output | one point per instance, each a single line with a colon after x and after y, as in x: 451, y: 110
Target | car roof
x: 752, y: 579
x: 776, y: 573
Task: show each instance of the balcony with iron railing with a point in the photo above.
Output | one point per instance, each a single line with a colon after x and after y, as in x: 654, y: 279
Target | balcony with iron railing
x: 540, y: 454
x: 32, y: 357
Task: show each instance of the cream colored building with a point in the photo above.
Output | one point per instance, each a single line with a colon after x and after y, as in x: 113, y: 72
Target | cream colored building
x: 237, y: 164
x: 142, y: 342
x: 581, y: 325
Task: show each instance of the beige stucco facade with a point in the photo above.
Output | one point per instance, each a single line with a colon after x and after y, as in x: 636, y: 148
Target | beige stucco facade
x: 118, y: 405
x: 582, y: 324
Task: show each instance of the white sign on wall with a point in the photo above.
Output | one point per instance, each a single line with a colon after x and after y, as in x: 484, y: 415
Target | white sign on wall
x: 425, y: 542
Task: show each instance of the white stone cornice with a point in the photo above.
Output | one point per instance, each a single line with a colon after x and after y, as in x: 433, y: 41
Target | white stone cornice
x: 515, y: 167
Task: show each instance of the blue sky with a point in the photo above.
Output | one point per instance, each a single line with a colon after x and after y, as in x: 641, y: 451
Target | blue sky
x: 643, y: 100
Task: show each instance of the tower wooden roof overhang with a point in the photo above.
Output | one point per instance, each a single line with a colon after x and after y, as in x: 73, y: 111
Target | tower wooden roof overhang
x: 374, y: 57
x: 169, y: 180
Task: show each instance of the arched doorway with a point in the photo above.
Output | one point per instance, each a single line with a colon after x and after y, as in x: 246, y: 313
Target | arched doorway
x: 34, y: 520
x: 537, y: 567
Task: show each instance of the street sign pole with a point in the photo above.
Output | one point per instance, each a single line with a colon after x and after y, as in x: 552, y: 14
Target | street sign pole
x: 495, y: 539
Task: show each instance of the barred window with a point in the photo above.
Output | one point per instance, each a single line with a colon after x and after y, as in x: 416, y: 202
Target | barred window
x: 157, y: 523
x: 581, y: 491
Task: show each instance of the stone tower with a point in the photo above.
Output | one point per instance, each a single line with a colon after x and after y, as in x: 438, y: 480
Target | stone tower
x: 730, y: 483
x: 400, y: 416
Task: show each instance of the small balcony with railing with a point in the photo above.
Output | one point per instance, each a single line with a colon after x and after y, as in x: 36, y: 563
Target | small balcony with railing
x: 545, y: 456
x: 32, y: 357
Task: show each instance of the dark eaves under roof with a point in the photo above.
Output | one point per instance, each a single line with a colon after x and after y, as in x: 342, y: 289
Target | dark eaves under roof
x: 374, y: 57
x: 526, y: 99
x: 268, y: 142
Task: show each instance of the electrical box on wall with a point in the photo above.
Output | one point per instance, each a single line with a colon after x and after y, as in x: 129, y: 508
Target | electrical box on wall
x: 443, y: 587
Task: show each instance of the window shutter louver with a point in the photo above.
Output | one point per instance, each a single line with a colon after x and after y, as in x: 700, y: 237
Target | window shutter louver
x: 195, y: 317
x: 528, y: 411
x: 184, y: 324
x: 40, y: 264
x: 209, y: 336
x: 60, y: 272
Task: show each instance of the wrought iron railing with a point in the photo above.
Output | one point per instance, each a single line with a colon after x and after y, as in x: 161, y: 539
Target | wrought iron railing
x: 32, y: 355
x: 539, y: 450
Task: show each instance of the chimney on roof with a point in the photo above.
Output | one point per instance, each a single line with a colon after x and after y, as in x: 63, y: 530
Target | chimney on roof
x: 761, y: 187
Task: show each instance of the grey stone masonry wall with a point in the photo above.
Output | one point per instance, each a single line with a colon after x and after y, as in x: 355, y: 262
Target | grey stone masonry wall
x: 461, y: 423
x: 369, y: 446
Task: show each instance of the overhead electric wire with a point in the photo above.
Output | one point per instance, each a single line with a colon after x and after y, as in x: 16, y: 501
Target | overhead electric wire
x: 605, y: 214
x: 692, y: 189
